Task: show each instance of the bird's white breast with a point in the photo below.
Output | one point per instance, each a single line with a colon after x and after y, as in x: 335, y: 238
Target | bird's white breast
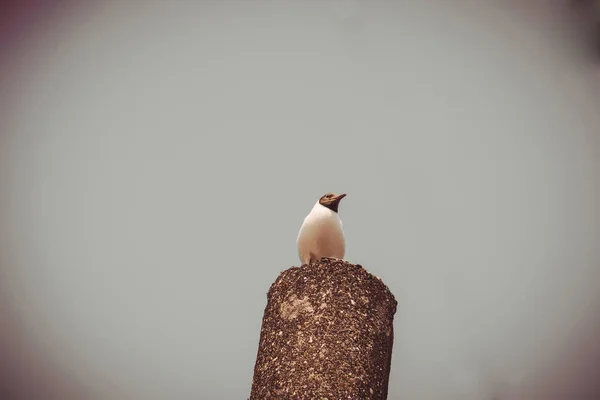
x: 321, y: 235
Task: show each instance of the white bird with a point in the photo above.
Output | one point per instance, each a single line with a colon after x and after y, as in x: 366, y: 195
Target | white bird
x: 321, y: 233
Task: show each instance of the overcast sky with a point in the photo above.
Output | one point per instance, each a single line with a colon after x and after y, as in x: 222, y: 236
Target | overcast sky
x: 158, y: 157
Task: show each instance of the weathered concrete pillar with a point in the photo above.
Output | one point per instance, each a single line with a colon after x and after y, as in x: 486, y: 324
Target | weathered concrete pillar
x: 327, y: 333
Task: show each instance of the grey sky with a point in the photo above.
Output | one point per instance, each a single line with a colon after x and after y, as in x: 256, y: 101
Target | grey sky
x: 160, y: 157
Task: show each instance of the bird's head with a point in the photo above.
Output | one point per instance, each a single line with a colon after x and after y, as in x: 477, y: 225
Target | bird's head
x: 331, y: 200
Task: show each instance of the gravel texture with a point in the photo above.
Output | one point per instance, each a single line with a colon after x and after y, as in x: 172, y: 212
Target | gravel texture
x: 327, y: 333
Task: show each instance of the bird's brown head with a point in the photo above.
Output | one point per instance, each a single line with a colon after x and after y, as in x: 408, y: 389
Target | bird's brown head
x: 331, y: 200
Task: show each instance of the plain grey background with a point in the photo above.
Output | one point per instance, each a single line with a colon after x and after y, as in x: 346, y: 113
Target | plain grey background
x: 158, y: 158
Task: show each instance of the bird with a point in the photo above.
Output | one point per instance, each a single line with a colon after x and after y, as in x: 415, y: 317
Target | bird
x: 321, y: 234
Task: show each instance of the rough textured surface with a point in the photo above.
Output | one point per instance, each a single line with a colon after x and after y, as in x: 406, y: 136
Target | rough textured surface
x: 327, y: 333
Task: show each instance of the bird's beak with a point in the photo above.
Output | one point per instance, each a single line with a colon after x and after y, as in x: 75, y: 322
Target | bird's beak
x: 340, y: 196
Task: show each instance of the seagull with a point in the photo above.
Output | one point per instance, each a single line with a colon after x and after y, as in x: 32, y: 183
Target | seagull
x: 321, y: 233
